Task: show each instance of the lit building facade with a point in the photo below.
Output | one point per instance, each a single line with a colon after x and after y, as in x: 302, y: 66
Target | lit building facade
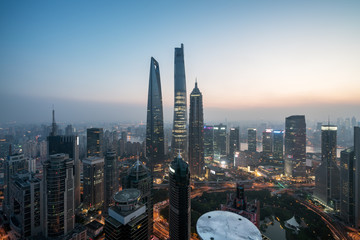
x: 155, y: 121
x: 196, y: 133
x: 219, y: 141
x: 179, y: 133
x: 278, y: 149
x: 267, y: 143
x: 179, y: 200
x: 208, y: 141
x: 252, y: 139
x: 295, y: 146
x: 234, y: 141
x: 95, y: 143
x: 93, y: 171
x: 111, y: 182
x: 347, y: 186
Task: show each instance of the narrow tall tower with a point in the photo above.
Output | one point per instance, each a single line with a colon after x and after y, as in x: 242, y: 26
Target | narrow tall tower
x: 179, y: 200
x: 53, y: 125
x: 155, y: 122
x: 179, y: 134
x: 196, y: 133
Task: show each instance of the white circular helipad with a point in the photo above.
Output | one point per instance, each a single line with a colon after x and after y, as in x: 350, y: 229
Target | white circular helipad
x: 224, y: 225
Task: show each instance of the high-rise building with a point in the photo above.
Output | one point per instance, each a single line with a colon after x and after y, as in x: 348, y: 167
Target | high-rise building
x: 295, y: 146
x: 127, y: 219
x: 327, y: 175
x: 69, y: 130
x: 179, y: 200
x: 357, y: 175
x: 234, y: 141
x: 93, y: 182
x: 59, y: 195
x: 196, y: 133
x: 267, y: 143
x: 95, y: 142
x: 111, y: 182
x: 219, y: 141
x: 347, y: 186
x: 252, y: 139
x: 278, y: 146
x: 155, y: 121
x: 26, y: 203
x: 179, y: 133
x: 208, y: 141
x: 139, y: 177
x: 14, y: 164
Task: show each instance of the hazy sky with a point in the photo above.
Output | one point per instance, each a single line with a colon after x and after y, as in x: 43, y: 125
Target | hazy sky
x: 253, y: 59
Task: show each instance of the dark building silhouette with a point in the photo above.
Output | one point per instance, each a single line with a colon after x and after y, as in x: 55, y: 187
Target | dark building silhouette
x: 267, y: 143
x: 127, y: 219
x: 139, y: 177
x: 179, y: 133
x: 278, y: 146
x: 347, y: 186
x: 69, y: 145
x: 93, y: 196
x: 155, y: 122
x: 59, y: 196
x: 179, y: 200
x: 94, y: 140
x: 357, y: 175
x: 111, y: 182
x: 252, y: 139
x: 196, y: 133
x: 234, y: 141
x: 209, y: 141
x: 327, y: 175
x: 219, y: 141
x: 295, y: 146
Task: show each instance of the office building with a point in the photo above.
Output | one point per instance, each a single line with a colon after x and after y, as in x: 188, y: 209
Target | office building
x: 357, y: 175
x: 196, y: 133
x: 93, y: 171
x: 179, y: 200
x: 208, y: 142
x: 219, y: 142
x: 295, y: 146
x: 278, y: 146
x: 327, y: 175
x: 155, y: 121
x: 139, y: 177
x: 179, y: 133
x: 252, y: 139
x: 234, y: 141
x: 347, y: 186
x: 14, y: 164
x: 59, y: 196
x: 111, y: 182
x: 95, y: 143
x: 267, y: 143
x: 127, y: 219
x: 26, y: 204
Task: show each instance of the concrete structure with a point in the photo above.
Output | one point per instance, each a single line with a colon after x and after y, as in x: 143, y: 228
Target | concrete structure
x: 226, y: 225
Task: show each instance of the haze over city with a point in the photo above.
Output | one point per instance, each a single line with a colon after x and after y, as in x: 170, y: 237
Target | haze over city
x: 254, y: 60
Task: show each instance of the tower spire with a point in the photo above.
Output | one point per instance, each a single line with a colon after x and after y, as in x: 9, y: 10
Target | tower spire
x: 54, y: 127
x: 196, y: 82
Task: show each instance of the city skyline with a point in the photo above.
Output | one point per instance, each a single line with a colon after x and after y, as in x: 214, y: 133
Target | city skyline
x: 253, y: 61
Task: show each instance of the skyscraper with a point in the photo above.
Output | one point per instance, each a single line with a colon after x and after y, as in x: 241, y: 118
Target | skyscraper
x: 234, y: 141
x: 252, y: 139
x: 93, y: 182
x: 95, y: 142
x: 139, y: 177
x: 347, y: 186
x: 111, y: 183
x: 208, y: 141
x: 127, y: 219
x: 295, y: 146
x: 196, y: 133
x: 179, y: 134
x: 357, y: 175
x: 155, y: 122
x: 267, y: 142
x: 59, y: 195
x: 179, y: 200
x: 278, y: 146
x: 327, y: 175
x: 219, y: 141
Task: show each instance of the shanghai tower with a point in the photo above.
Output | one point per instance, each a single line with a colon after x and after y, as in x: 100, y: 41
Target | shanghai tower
x: 154, y: 124
x: 196, y: 133
x: 179, y: 134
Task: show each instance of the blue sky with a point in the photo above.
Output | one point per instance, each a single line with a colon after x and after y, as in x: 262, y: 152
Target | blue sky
x: 253, y: 59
